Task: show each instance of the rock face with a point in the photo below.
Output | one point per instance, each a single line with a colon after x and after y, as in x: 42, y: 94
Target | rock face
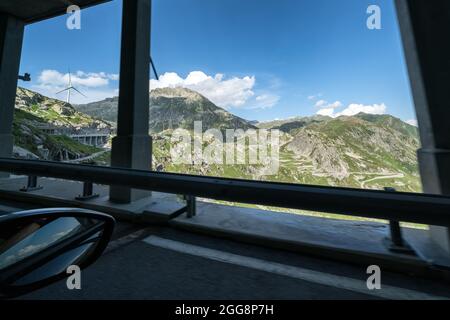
x: 22, y: 153
x: 172, y: 108
x: 105, y: 109
x: 323, y: 152
x: 57, y: 114
x: 41, y: 127
x: 360, y: 144
x: 179, y: 108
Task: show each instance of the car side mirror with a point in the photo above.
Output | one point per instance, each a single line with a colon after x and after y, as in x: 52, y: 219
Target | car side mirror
x: 37, y: 246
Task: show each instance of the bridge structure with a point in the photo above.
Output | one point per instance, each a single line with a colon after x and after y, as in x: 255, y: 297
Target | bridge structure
x: 49, y: 128
x: 93, y: 139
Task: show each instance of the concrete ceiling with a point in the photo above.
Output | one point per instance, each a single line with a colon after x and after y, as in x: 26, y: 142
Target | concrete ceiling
x: 36, y: 10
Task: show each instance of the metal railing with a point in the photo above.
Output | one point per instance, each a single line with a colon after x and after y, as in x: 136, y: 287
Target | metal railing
x: 407, y: 207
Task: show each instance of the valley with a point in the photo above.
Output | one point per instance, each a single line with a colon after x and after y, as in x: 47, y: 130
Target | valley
x: 361, y: 151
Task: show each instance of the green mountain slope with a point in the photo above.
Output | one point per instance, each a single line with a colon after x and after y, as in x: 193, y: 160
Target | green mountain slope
x: 36, y: 115
x: 289, y: 125
x: 351, y: 151
x: 362, y: 151
x: 55, y: 112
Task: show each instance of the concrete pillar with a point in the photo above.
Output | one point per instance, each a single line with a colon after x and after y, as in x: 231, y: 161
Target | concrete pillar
x: 425, y: 27
x: 11, y: 38
x: 131, y: 148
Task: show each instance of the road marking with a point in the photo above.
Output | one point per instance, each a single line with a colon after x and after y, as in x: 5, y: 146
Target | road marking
x: 341, y: 282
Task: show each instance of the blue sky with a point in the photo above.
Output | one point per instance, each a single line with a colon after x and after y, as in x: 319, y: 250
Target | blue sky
x: 260, y: 59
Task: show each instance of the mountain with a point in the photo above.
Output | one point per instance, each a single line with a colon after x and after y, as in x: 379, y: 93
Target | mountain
x: 172, y: 108
x: 362, y: 151
x: 288, y: 125
x: 105, y: 109
x: 56, y: 112
x: 42, y: 127
x: 388, y: 121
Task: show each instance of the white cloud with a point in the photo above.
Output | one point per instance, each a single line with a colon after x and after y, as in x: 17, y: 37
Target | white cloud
x: 110, y: 76
x: 334, y: 105
x: 314, y: 97
x: 352, y: 109
x: 266, y: 101
x: 95, y: 85
x: 233, y: 92
x: 80, y: 78
x: 326, y: 112
x: 320, y: 103
x: 226, y: 93
x: 412, y: 122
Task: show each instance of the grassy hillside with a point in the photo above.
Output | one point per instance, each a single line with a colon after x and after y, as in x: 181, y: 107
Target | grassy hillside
x: 35, y: 112
x: 55, y: 112
x: 362, y: 151
x: 348, y: 151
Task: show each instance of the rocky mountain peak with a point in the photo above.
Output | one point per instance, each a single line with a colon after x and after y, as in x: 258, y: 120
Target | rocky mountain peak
x: 177, y: 92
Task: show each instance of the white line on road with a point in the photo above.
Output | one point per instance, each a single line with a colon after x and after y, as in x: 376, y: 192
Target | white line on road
x: 341, y: 282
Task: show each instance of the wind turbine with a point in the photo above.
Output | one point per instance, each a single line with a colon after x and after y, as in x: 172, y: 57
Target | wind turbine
x: 69, y: 88
x: 153, y: 68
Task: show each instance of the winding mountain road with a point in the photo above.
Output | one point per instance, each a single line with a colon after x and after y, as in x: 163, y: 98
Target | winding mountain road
x: 90, y: 157
x: 392, y: 176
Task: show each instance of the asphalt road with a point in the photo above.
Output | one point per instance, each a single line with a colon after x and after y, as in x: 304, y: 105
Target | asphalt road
x: 201, y: 268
